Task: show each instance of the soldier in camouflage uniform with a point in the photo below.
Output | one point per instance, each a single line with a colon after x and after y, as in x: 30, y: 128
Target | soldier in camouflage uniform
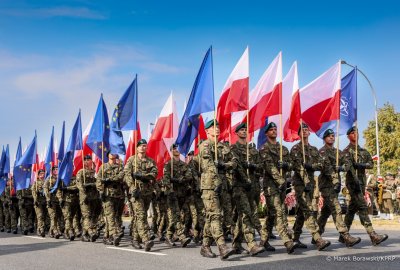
x: 26, y: 210
x: 211, y: 185
x: 2, y: 212
x: 355, y: 183
x: 68, y: 197
x: 389, y: 194
x: 140, y: 175
x: 121, y: 202
x: 53, y: 204
x: 6, y: 209
x: 275, y: 169
x: 12, y: 202
x: 329, y: 185
x: 110, y: 185
x: 176, y: 180
x: 304, y: 165
x: 161, y: 208
x: 89, y: 201
x: 40, y: 203
x: 243, y: 179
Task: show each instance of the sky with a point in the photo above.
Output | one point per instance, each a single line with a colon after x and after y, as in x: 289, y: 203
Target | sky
x: 57, y: 57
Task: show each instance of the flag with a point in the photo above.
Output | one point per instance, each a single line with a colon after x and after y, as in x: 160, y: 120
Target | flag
x: 99, y: 134
x: 79, y: 154
x: 266, y: 97
x: 50, y: 155
x: 3, y: 176
x: 348, y: 106
x: 201, y: 100
x: 18, y: 154
x: 23, y: 166
x: 290, y: 86
x: 65, y: 169
x: 131, y: 149
x: 235, y: 95
x: 202, y: 135
x: 60, y: 154
x: 164, y: 135
x: 320, y: 99
x: 262, y: 138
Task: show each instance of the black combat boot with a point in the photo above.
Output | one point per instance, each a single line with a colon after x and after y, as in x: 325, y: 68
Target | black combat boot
x: 376, y: 239
x: 15, y: 231
x: 290, y: 246
x: 116, y: 240
x: 254, y: 251
x: 136, y: 244
x: 322, y: 244
x: 25, y: 232
x: 32, y: 230
x: 225, y: 251
x: 185, y: 241
x: 266, y: 245
x: 350, y: 240
x: 239, y: 249
x: 169, y: 242
x: 206, y: 251
x: 2, y: 230
x: 148, y: 245
x: 299, y: 244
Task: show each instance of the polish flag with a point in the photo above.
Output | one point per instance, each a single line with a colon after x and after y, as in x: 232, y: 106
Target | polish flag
x: 78, y: 163
x: 131, y: 149
x: 320, y: 99
x: 164, y: 135
x: 266, y: 97
x: 235, y: 95
x: 290, y: 87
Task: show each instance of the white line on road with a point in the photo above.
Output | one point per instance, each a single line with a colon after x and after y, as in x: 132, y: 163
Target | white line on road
x: 139, y: 251
x: 35, y: 237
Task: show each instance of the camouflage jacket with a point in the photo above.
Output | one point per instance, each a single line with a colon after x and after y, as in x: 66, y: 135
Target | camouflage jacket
x: 149, y: 170
x: 195, y: 170
x: 70, y: 193
x: 211, y: 177
x: 10, y: 194
x: 363, y: 157
x: 181, y: 172
x: 86, y: 183
x: 38, y: 191
x: 25, y: 194
x: 48, y: 185
x: 239, y: 176
x: 270, y: 156
x: 301, y: 175
x: 114, y: 174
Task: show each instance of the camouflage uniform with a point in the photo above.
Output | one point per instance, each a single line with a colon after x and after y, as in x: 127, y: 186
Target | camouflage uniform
x: 110, y: 185
x: 161, y: 208
x: 12, y: 202
x: 356, y: 186
x: 196, y: 203
x: 69, y: 202
x: 305, y: 213
x: 90, y: 203
x: 372, y: 186
x: 53, y: 207
x: 25, y: 201
x: 176, y: 187
x: 40, y: 205
x: 274, y: 186
x: 141, y: 191
x: 3, y: 214
x: 389, y: 188
x: 6, y: 211
x: 226, y: 195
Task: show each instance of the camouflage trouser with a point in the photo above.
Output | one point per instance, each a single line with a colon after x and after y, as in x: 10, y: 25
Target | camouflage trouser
x: 198, y: 202
x: 197, y: 218
x: 213, y: 221
x: 226, y: 205
x: 70, y: 213
x: 41, y: 214
x: 161, y: 207
x: 110, y: 209
x: 357, y: 204
x: 244, y: 225
x: 54, y: 214
x: 140, y: 226
x: 277, y: 211
x: 284, y: 209
x: 388, y: 206
x: 184, y: 213
x: 331, y: 207
x: 7, y: 216
x: 120, y: 210
x: 14, y: 214
x: 2, y: 217
x: 27, y: 213
x: 174, y: 218
x: 91, y: 211
x: 254, y: 200
x: 305, y: 214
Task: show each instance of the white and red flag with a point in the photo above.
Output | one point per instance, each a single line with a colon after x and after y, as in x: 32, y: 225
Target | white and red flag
x: 235, y: 95
x: 78, y: 162
x: 131, y: 149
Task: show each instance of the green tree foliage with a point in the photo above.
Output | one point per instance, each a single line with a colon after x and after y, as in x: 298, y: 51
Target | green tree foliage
x: 389, y: 138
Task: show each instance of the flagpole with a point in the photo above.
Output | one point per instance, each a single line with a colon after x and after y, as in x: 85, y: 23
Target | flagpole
x: 280, y: 146
x: 302, y: 140
x: 215, y: 137
x: 172, y: 126
x: 102, y: 159
x: 337, y: 141
x: 247, y: 143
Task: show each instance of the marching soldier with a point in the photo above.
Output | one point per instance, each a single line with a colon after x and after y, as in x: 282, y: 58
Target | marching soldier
x: 89, y: 200
x: 12, y: 203
x: 140, y: 175
x: 39, y: 200
x: 355, y: 183
x: 110, y: 185
x: 53, y: 205
x: 211, y: 185
x: 329, y: 185
x: 243, y: 185
x: 6, y: 209
x: 274, y: 184
x: 304, y: 165
x: 389, y: 194
x: 3, y: 213
x: 26, y: 210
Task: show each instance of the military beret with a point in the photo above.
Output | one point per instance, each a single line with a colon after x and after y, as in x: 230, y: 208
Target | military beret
x: 210, y: 124
x: 327, y: 133
x: 304, y: 126
x: 240, y: 126
x: 191, y: 153
x: 269, y: 126
x: 173, y: 146
x: 54, y: 167
x: 350, y: 130
x: 40, y: 171
x: 140, y: 142
x: 87, y: 157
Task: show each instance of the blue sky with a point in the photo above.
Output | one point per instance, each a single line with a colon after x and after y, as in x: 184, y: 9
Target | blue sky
x: 58, y: 56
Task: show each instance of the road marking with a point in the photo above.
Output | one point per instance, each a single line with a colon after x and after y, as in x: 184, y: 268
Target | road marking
x: 35, y: 237
x: 139, y: 251
x: 331, y: 238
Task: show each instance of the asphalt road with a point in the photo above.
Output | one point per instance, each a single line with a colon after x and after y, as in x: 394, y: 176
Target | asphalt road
x: 31, y: 252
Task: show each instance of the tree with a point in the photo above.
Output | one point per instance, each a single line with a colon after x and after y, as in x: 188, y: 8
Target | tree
x: 389, y: 138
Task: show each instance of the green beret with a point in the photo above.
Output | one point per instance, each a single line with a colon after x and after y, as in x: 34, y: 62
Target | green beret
x: 191, y: 153
x: 87, y: 157
x: 327, y: 133
x: 140, y: 142
x: 240, y: 126
x: 350, y: 130
x: 269, y: 126
x: 173, y: 146
x: 304, y: 126
x: 210, y: 123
